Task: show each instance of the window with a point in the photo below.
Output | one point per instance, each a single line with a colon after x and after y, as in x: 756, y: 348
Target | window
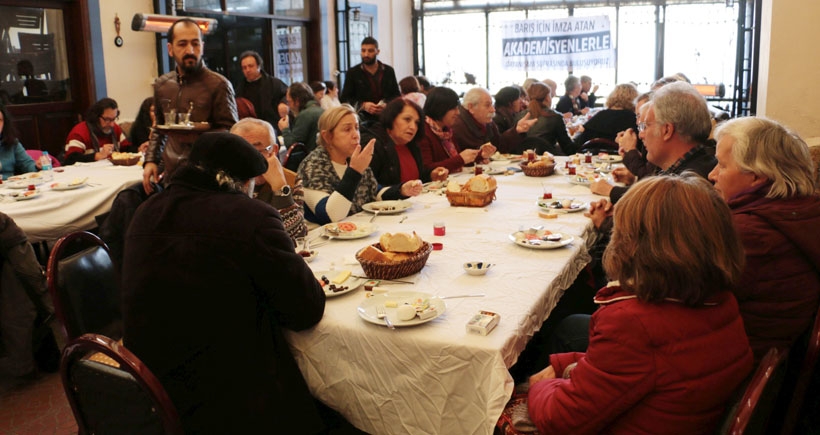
x: 289, y: 48
x: 33, y: 65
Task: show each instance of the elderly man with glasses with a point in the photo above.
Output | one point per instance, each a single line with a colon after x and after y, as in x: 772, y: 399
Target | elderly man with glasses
x: 98, y: 136
x: 674, y: 131
x: 272, y: 187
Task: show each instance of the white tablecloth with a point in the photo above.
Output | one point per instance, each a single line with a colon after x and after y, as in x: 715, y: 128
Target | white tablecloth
x: 436, y: 378
x: 56, y: 213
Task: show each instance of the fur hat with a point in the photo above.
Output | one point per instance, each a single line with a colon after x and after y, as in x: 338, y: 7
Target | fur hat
x: 229, y: 153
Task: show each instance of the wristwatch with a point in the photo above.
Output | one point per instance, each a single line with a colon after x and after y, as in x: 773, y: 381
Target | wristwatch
x: 284, y: 191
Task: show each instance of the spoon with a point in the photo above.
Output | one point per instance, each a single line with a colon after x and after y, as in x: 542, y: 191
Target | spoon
x: 375, y: 213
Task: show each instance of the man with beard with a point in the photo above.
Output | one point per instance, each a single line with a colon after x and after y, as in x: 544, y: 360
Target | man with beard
x: 370, y: 85
x: 190, y: 88
x: 98, y: 136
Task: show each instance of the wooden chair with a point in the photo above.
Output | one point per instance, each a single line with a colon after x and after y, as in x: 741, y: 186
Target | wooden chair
x: 750, y: 413
x: 807, y: 368
x: 600, y: 145
x: 84, y: 287
x: 116, y: 393
x: 290, y: 177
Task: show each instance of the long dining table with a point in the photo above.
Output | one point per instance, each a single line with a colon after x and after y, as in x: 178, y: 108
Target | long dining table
x: 437, y: 378
x: 53, y: 213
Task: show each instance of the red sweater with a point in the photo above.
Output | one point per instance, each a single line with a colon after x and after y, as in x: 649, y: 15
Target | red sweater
x: 650, y: 368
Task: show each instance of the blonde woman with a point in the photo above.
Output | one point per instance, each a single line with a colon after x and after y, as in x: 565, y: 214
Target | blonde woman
x: 618, y: 116
x: 337, y: 175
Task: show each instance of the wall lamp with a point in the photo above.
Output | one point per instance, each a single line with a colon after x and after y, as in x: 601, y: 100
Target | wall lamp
x: 356, y: 10
x: 161, y: 23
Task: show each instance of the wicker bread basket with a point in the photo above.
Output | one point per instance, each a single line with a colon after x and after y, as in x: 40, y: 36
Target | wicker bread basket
x: 395, y: 270
x: 130, y: 161
x: 537, y: 171
x: 471, y: 199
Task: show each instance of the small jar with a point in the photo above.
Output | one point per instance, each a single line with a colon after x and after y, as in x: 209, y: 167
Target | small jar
x: 478, y: 170
x: 439, y: 229
x: 588, y: 157
x: 572, y: 170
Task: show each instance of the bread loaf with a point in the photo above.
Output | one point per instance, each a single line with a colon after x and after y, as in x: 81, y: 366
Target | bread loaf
x: 480, y: 184
x: 400, y: 242
x: 372, y: 253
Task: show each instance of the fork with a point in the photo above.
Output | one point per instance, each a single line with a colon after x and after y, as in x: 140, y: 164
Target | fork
x: 375, y: 213
x: 380, y: 313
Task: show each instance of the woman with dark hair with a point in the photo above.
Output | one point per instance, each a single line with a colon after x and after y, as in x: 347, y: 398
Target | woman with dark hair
x: 145, y: 121
x: 331, y: 98
x: 507, y: 106
x: 304, y: 105
x: 549, y: 124
x: 667, y: 346
x: 13, y: 156
x: 397, y: 158
x: 438, y: 145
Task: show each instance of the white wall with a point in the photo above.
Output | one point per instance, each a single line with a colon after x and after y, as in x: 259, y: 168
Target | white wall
x: 395, y: 34
x: 131, y: 69
x: 788, y: 88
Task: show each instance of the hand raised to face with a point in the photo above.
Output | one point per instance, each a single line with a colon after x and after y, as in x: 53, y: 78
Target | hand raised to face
x: 361, y: 157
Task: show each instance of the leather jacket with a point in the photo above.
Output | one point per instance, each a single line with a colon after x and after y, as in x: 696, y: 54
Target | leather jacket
x: 213, y: 101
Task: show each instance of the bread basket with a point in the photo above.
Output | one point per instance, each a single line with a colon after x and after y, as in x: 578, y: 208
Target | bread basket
x: 129, y: 161
x: 471, y: 199
x: 398, y: 269
x: 537, y: 171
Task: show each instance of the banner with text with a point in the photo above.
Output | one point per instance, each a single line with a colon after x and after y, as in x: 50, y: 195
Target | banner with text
x: 577, y: 43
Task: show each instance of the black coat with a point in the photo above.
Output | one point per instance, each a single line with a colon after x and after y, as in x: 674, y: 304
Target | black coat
x: 385, y: 163
x: 357, y: 89
x: 209, y: 280
x: 265, y: 93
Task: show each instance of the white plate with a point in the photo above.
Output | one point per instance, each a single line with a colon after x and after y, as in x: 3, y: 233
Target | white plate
x: 519, y: 238
x: 576, y: 205
x: 26, y: 176
x: 433, y: 186
x: 387, y: 207
x: 367, y: 309
x: 611, y: 159
x: 18, y: 196
x: 69, y: 186
x: 579, y: 180
x: 507, y: 158
x: 362, y: 230
x: 24, y: 184
x: 351, y: 282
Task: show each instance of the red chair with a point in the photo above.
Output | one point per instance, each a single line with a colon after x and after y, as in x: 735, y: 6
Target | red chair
x: 111, y: 391
x: 803, y: 379
x: 36, y: 154
x: 750, y: 414
x: 83, y: 286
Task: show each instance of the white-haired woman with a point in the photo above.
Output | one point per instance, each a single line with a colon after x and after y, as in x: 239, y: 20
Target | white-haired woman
x: 766, y: 175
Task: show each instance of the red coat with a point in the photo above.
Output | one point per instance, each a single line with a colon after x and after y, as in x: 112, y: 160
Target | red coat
x: 780, y: 289
x: 650, y: 368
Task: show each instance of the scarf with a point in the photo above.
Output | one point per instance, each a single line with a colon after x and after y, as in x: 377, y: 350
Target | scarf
x: 445, y: 135
x: 317, y: 173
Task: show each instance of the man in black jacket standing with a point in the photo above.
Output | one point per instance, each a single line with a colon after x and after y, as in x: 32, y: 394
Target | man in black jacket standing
x: 370, y: 85
x: 260, y: 88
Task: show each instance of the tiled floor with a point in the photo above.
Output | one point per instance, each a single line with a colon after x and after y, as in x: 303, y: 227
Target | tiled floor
x: 35, y: 407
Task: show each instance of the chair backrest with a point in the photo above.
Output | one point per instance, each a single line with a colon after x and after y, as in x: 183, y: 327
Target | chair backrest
x: 290, y: 177
x: 295, y: 154
x: 83, y: 286
x: 36, y: 154
x: 600, y: 145
x: 123, y: 398
x: 804, y: 378
x: 750, y: 413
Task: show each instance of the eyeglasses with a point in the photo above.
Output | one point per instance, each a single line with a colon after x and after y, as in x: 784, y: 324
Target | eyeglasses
x: 268, y: 150
x: 643, y: 125
x: 107, y: 119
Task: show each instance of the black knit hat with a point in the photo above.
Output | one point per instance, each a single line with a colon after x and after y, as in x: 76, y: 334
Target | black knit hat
x: 229, y: 153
